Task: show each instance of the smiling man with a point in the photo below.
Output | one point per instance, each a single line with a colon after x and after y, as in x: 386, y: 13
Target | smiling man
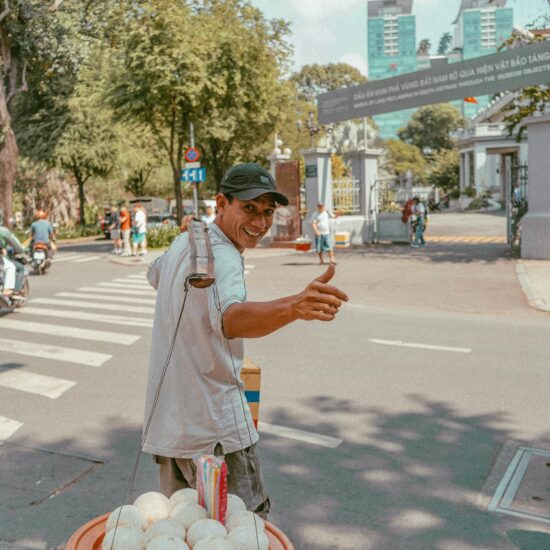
x: 200, y: 407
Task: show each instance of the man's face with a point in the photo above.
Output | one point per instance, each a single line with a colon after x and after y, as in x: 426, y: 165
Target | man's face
x: 245, y: 222
x: 320, y: 207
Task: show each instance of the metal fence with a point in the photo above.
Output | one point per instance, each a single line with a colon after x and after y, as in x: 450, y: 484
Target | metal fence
x: 393, y: 193
x: 345, y: 196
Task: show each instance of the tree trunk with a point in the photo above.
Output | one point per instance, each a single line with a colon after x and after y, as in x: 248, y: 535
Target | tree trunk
x: 179, y: 196
x: 81, y: 200
x: 8, y: 159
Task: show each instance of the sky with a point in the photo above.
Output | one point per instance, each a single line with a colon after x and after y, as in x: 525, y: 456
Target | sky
x: 332, y: 31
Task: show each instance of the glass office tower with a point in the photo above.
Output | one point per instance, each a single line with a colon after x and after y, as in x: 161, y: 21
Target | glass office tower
x: 391, y: 51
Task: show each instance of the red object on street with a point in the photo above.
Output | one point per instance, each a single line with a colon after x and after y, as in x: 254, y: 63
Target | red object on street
x: 90, y: 536
x: 470, y: 100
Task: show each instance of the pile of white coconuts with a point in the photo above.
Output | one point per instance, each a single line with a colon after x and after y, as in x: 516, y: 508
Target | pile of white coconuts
x: 155, y: 522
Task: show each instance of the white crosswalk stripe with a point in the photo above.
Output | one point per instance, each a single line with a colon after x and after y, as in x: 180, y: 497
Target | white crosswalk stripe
x: 8, y: 427
x: 92, y: 305
x: 69, y: 332
x: 125, y: 291
x: 133, y: 282
x: 85, y: 316
x: 66, y: 258
x: 88, y: 259
x: 30, y: 382
x: 123, y: 286
x: 68, y: 355
x: 143, y: 276
x: 102, y: 298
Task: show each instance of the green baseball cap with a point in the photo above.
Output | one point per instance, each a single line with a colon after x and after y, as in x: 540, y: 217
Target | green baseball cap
x: 248, y: 181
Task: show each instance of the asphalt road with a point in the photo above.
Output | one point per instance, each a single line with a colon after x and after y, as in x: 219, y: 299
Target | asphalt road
x: 407, y: 409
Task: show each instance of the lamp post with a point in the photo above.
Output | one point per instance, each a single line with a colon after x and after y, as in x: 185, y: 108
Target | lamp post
x: 310, y: 125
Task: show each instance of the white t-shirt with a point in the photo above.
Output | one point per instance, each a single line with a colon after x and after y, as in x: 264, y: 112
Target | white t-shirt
x: 419, y: 210
x: 140, y: 221
x: 200, y: 400
x: 208, y: 219
x: 322, y: 221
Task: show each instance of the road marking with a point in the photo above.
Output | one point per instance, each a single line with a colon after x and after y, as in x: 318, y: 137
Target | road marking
x: 132, y: 282
x: 45, y: 351
x: 46, y: 386
x: 143, y: 276
x: 103, y: 298
x: 125, y: 291
x: 300, y: 435
x: 401, y: 344
x: 88, y: 259
x: 247, y: 272
x: 91, y: 305
x: 249, y: 266
x: 85, y: 316
x: 67, y: 258
x: 125, y: 287
x: 8, y: 427
x: 70, y: 332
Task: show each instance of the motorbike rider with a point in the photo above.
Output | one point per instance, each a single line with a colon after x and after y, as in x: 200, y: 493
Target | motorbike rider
x: 14, y: 271
x: 42, y: 232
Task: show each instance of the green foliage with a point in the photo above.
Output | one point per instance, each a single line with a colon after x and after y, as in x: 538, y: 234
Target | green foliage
x: 444, y: 43
x: 469, y: 191
x: 68, y: 232
x: 431, y: 125
x: 162, y: 237
x: 424, y: 47
x: 316, y: 79
x: 445, y: 170
x: 404, y: 156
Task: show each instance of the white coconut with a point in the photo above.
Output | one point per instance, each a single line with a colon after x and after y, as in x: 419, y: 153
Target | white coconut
x: 244, y: 518
x: 124, y: 538
x: 246, y: 537
x: 166, y: 527
x: 166, y: 542
x: 211, y: 542
x: 205, y: 527
x: 235, y: 504
x: 187, y: 514
x: 154, y: 506
x: 126, y: 515
x: 184, y: 495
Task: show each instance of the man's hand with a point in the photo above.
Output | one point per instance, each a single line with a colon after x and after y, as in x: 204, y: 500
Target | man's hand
x: 319, y: 300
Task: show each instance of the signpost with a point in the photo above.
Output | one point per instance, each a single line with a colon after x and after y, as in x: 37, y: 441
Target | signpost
x: 193, y: 172
x: 510, y: 70
x: 193, y: 175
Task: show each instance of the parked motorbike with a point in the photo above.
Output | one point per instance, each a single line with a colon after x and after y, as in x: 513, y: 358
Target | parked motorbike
x: 17, y: 299
x: 41, y: 259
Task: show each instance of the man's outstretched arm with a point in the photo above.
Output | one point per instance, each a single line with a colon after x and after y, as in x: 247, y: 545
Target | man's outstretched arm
x: 318, y: 301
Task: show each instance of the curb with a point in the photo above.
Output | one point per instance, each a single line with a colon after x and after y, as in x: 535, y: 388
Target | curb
x: 531, y: 293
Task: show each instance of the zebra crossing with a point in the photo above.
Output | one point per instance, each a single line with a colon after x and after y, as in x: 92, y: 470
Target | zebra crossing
x: 124, y: 301
x: 74, y: 258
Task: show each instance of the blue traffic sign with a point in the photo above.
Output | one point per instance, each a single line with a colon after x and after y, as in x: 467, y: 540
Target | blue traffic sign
x: 193, y: 175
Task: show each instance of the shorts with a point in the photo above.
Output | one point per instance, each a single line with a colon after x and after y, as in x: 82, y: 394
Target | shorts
x: 322, y: 243
x: 244, y: 476
x: 138, y: 238
x: 115, y: 234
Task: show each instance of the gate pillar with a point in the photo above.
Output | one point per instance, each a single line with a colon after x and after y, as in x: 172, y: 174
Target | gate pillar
x: 535, y: 225
x: 364, y: 167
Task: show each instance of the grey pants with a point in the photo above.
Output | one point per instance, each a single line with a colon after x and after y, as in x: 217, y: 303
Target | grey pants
x: 244, y: 476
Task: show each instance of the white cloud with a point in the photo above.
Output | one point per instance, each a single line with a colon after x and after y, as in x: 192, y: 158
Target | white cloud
x: 355, y: 60
x: 315, y: 10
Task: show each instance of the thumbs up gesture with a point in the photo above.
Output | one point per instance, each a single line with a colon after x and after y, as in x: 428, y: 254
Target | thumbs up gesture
x: 319, y: 300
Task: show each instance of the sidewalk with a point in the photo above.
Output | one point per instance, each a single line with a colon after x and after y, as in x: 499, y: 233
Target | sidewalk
x: 534, y: 277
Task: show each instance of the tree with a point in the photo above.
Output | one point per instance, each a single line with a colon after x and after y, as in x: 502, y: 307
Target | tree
x: 316, y: 79
x: 424, y: 47
x: 445, y: 170
x: 403, y: 157
x: 430, y: 127
x: 444, y: 43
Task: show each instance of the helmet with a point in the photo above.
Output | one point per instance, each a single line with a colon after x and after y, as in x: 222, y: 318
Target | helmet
x: 40, y: 215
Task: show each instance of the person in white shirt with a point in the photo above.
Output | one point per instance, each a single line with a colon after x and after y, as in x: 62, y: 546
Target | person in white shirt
x: 209, y: 216
x: 419, y: 212
x: 139, y: 230
x: 321, y: 227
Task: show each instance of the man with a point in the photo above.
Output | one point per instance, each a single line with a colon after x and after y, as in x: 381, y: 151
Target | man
x: 321, y: 228
x: 42, y: 231
x: 209, y: 215
x: 140, y: 231
x: 419, y: 213
x: 114, y: 231
x: 125, y: 228
x: 13, y: 271
x: 201, y: 408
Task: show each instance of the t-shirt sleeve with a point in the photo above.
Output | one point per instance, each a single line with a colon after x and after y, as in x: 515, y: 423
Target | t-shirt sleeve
x: 229, y: 287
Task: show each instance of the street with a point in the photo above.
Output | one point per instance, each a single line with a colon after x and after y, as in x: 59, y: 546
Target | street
x: 390, y: 428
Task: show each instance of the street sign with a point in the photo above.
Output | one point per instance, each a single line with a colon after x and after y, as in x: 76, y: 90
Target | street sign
x: 193, y: 175
x: 192, y: 165
x: 192, y: 154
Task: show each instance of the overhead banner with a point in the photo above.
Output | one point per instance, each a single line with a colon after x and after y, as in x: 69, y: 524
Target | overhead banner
x: 504, y: 71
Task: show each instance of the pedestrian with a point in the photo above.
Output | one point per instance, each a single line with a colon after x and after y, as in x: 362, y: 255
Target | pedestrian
x: 125, y: 229
x: 321, y: 228
x: 114, y: 231
x: 139, y: 229
x: 209, y: 215
x: 420, y: 216
x: 201, y: 408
